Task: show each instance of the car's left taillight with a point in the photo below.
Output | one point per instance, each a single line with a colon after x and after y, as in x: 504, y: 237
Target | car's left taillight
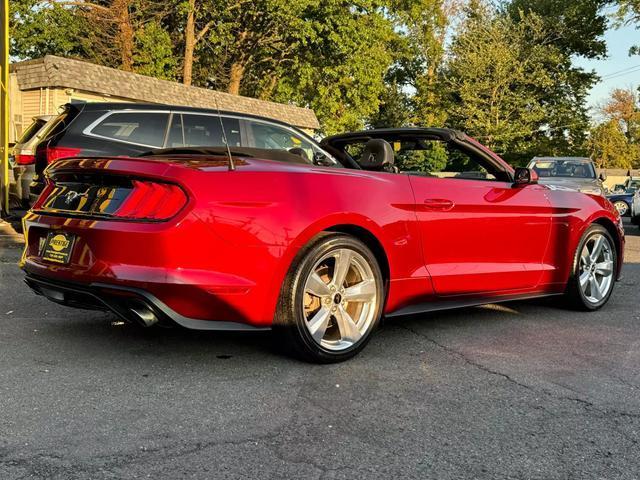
x: 150, y: 200
x: 44, y: 194
x: 25, y: 159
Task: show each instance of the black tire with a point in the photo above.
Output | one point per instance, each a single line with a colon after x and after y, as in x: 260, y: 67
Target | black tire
x: 635, y: 220
x: 574, y: 294
x: 290, y: 325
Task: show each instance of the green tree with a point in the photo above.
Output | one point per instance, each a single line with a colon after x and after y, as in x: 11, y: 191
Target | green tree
x: 576, y: 27
x: 496, y: 79
x: 37, y: 30
x: 609, y: 147
x: 153, y: 52
x: 623, y: 107
x: 339, y: 65
x: 102, y: 31
x: 629, y: 14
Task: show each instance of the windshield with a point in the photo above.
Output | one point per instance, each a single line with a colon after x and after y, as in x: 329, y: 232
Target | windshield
x: 564, y: 168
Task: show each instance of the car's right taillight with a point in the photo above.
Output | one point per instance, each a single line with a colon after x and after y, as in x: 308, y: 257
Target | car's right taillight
x: 54, y: 153
x: 150, y: 200
x: 51, y: 154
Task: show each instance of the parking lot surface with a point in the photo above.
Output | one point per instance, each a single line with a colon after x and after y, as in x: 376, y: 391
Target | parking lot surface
x: 522, y: 390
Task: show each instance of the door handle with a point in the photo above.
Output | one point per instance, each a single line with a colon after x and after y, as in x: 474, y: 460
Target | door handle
x: 439, y: 204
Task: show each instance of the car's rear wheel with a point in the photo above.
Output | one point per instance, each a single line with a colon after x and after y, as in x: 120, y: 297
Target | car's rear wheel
x: 622, y: 207
x: 594, y: 270
x: 331, y: 300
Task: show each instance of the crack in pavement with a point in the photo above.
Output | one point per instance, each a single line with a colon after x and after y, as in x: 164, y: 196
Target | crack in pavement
x: 36, y: 463
x: 588, y: 405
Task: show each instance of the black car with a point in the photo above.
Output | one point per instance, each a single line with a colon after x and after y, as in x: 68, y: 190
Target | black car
x: 132, y: 129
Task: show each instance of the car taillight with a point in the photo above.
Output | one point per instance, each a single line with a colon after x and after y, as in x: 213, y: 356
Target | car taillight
x: 152, y: 201
x: 46, y: 191
x: 54, y: 153
x: 22, y: 159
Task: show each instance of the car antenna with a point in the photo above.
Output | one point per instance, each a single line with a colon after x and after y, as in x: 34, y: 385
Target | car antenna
x: 232, y: 165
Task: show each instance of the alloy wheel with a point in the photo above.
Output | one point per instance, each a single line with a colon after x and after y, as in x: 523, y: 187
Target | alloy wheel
x: 622, y: 207
x: 340, y: 299
x: 596, y: 268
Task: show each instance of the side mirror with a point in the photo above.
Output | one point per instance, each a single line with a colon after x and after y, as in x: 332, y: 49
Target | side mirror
x: 603, y: 176
x: 525, y: 176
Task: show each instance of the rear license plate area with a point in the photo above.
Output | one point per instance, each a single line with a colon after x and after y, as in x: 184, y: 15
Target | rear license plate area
x: 58, y: 247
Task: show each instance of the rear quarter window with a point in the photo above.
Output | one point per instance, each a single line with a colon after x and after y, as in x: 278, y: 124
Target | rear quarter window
x: 31, y: 130
x: 140, y: 128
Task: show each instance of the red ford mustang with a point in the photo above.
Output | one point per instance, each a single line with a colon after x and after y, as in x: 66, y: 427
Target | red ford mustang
x: 317, y: 245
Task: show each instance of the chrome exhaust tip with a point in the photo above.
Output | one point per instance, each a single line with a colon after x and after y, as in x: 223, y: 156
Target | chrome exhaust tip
x: 143, y: 314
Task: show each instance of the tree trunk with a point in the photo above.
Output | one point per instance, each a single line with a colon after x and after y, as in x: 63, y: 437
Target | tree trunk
x: 267, y: 91
x: 126, y: 34
x: 235, y: 78
x: 189, y: 43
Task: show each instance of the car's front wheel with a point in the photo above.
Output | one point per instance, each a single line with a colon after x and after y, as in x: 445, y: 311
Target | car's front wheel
x: 594, y: 269
x: 331, y: 300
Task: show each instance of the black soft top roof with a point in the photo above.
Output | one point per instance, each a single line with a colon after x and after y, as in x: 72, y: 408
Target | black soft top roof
x: 446, y: 134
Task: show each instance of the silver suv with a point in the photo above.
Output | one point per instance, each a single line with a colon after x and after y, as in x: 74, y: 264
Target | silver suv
x: 576, y: 173
x: 22, y: 157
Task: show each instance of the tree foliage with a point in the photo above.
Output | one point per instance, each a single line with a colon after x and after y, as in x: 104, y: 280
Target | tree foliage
x: 615, y: 142
x: 505, y: 74
x: 629, y: 14
x: 609, y: 146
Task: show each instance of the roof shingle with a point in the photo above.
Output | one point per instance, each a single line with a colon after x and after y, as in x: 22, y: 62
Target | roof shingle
x: 51, y: 71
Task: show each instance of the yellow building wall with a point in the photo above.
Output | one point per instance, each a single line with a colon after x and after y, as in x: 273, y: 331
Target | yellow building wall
x: 26, y: 104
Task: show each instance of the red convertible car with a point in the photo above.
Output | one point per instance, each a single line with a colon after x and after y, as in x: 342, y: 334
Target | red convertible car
x: 317, y: 245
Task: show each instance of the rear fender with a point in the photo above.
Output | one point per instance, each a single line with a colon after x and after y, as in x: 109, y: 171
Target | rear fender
x: 307, y: 235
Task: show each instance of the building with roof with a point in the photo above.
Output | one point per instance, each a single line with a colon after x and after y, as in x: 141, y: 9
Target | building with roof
x: 41, y: 86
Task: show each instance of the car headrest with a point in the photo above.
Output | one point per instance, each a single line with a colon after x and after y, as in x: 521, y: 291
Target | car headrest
x: 299, y: 151
x: 377, y: 155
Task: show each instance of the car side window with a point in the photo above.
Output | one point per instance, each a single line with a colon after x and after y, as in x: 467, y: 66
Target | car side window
x: 191, y: 130
x: 141, y: 128
x: 439, y: 159
x: 272, y: 137
x: 432, y: 158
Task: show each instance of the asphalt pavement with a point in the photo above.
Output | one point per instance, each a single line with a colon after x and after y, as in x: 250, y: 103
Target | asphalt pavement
x: 523, y: 390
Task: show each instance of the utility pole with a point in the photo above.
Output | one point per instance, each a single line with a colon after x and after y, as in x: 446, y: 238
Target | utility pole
x: 4, y: 105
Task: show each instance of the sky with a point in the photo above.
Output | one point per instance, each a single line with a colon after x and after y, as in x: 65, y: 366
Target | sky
x: 618, y: 70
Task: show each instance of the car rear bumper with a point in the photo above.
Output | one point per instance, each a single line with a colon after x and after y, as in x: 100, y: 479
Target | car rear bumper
x: 130, y: 304
x: 181, y: 268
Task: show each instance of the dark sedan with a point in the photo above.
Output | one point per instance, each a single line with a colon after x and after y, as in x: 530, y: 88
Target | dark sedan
x: 623, y: 201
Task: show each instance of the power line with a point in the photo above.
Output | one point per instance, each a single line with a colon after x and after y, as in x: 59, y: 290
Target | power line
x: 624, y: 71
x: 623, y: 74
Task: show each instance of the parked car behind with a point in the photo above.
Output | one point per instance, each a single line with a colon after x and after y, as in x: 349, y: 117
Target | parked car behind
x: 624, y: 201
x: 131, y: 129
x: 22, y: 157
x: 577, y: 173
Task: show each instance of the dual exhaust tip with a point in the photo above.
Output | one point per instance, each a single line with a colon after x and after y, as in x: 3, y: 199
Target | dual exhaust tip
x: 134, y: 310
x: 141, y: 313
